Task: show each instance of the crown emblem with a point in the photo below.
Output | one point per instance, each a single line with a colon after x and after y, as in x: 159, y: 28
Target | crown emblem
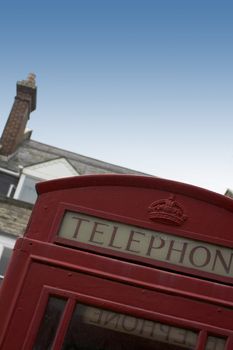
x: 167, y: 211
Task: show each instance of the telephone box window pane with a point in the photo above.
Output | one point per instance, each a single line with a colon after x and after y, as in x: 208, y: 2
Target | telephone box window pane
x: 49, y: 323
x: 215, y: 343
x: 92, y: 328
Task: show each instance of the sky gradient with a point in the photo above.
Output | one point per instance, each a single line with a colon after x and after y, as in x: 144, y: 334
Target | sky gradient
x: 145, y: 84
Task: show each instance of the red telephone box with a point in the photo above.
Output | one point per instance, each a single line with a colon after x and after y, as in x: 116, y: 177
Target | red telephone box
x: 121, y: 262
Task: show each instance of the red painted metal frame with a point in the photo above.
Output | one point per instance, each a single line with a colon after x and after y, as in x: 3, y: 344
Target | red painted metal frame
x: 44, y: 264
x: 103, y: 282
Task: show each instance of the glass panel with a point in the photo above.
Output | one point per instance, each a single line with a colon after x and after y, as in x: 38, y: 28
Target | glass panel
x: 92, y: 328
x: 215, y: 343
x: 49, y: 323
x: 28, y: 191
x: 4, y: 260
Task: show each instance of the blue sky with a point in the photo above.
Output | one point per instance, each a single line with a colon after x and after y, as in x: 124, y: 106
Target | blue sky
x: 143, y: 84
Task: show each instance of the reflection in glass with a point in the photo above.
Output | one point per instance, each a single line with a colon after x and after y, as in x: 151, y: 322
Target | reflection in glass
x: 215, y: 343
x: 92, y: 328
x: 49, y: 323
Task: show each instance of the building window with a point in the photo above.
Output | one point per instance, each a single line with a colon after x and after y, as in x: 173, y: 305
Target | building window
x: 52, y: 169
x: 26, y: 190
x: 6, y: 247
x: 11, y: 191
x: 4, y: 260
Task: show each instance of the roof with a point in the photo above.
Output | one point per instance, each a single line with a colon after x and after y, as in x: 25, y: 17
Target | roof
x: 31, y: 152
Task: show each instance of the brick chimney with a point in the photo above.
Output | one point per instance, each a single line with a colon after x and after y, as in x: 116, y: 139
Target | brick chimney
x: 25, y: 102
